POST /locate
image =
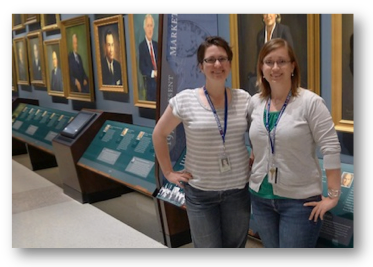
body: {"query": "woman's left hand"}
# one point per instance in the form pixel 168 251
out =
pixel 321 207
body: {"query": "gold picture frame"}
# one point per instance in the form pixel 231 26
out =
pixel 54 67
pixel 50 21
pixel 14 74
pixel 31 18
pixel 76 56
pixel 141 80
pixel 21 60
pixel 36 58
pixel 18 21
pixel 311 28
pixel 111 77
pixel 340 46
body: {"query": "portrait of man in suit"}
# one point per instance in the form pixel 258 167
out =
pixel 110 67
pixel 21 63
pixel 272 28
pixel 148 50
pixel 36 63
pixel 78 77
pixel 56 75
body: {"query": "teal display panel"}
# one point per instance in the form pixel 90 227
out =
pixel 337 229
pixel 37 125
pixel 125 153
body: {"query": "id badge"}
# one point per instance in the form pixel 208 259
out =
pixel 272 173
pixel 224 163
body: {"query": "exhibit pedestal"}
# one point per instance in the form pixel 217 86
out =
pixel 79 183
pixel 40 159
pixel 18 147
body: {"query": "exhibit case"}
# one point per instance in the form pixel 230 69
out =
pixel 37 126
pixel 19 147
pixel 124 153
pixel 85 184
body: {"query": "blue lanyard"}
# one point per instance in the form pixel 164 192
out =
pixel 278 119
pixel 222 133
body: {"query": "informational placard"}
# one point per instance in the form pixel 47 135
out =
pixel 338 225
pixel 125 153
pixel 39 125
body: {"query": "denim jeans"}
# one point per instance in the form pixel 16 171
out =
pixel 218 219
pixel 283 223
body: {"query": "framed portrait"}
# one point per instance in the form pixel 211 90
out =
pixel 342 72
pixel 50 21
pixel 76 56
pixel 20 57
pixel 111 54
pixel 143 29
pixel 248 34
pixel 14 75
pixel 36 58
pixel 18 21
pixel 53 62
pixel 31 18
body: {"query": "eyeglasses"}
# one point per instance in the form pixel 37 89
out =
pixel 280 63
pixel 212 60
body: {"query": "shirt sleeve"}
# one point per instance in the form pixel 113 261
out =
pixel 323 131
pixel 173 102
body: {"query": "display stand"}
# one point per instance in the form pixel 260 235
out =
pixel 37 126
pixel 84 184
pixel 19 147
pixel 122 153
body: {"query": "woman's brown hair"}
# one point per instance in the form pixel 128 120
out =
pixel 261 82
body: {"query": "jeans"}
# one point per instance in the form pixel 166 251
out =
pixel 283 223
pixel 218 219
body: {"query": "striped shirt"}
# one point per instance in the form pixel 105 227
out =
pixel 204 142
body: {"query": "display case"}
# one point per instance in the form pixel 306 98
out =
pixel 37 126
pixel 19 147
pixel 86 185
pixel 124 153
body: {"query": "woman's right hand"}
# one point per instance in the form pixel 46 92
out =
pixel 179 178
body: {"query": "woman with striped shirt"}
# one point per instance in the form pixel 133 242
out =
pixel 217 162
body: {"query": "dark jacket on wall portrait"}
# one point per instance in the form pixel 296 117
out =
pixel 56 80
pixel 146 68
pixel 109 78
pixel 22 71
pixel 77 72
pixel 36 70
pixel 280 31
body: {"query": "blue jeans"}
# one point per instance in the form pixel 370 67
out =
pixel 283 223
pixel 218 219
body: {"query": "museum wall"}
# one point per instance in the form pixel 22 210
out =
pixel 120 102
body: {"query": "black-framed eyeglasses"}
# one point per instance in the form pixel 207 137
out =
pixel 280 63
pixel 212 60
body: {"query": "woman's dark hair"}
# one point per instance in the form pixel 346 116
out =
pixel 213 40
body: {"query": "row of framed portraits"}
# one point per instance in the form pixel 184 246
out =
pixel 64 65
pixel 48 21
pixel 244 29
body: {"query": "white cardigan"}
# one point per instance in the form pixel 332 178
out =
pixel 305 124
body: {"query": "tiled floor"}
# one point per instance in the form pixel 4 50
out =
pixel 55 218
